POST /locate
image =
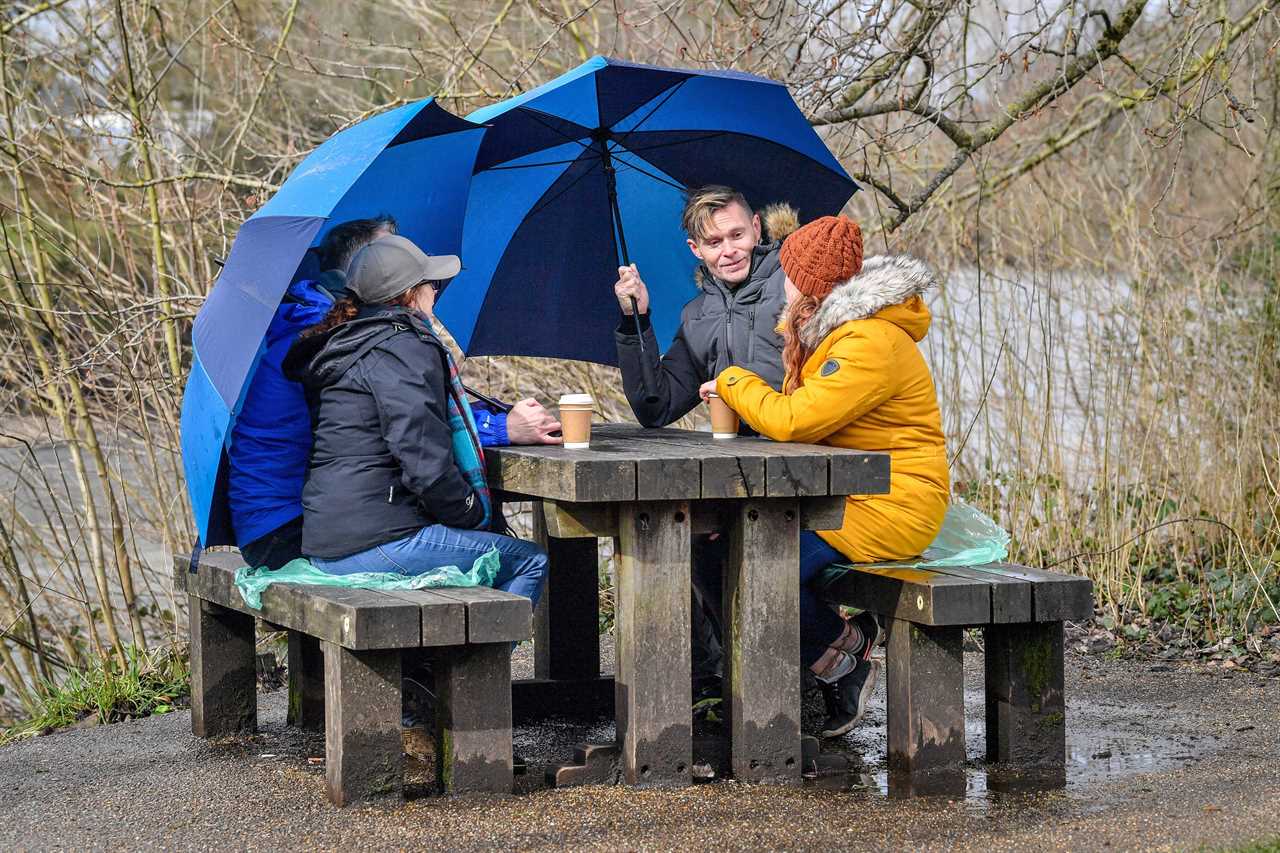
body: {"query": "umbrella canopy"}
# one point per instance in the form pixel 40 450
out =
pixel 413 162
pixel 543 237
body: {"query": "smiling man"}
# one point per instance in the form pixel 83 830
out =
pixel 731 322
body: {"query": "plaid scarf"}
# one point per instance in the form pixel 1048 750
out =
pixel 466 440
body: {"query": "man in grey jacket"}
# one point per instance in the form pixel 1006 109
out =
pixel 730 322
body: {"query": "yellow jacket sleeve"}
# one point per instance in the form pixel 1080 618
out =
pixel 853 378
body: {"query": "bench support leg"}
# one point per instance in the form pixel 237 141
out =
pixel 224 698
pixel 306 682
pixel 762 642
pixel 925 700
pixel 1026 711
pixel 362 743
pixel 473 719
pixel 653 695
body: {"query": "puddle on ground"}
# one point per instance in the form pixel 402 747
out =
pixel 1105 741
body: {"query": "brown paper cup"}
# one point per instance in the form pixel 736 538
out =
pixel 575 421
pixel 724 420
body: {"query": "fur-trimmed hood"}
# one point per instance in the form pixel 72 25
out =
pixel 885 281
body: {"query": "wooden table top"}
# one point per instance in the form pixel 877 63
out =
pixel 627 463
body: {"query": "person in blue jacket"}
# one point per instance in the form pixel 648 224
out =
pixel 272 437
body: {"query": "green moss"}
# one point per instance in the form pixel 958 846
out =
pixel 444 758
pixel 1037 666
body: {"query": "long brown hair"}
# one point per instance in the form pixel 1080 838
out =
pixel 349 306
pixel 794 351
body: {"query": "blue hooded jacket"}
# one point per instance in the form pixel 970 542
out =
pixel 271 440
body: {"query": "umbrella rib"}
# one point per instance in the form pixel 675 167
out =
pixel 537 116
pixel 710 134
pixel 547 202
pixel 657 178
pixel 533 165
pixel 658 106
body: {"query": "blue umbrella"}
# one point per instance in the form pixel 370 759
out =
pixel 414 162
pixel 588 172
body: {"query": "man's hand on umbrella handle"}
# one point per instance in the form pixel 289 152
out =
pixel 628 285
pixel 529 423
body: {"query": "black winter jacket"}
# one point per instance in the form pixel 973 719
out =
pixel 718 328
pixel 382 464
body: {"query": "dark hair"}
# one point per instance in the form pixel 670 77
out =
pixel 345 239
pixel 348 307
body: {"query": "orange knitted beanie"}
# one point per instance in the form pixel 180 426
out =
pixel 822 254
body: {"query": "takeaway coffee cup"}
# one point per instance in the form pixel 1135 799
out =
pixel 724 420
pixel 575 420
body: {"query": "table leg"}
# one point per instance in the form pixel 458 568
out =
pixel 652 629
pixel 566 635
pixel 762 641
pixel 566 623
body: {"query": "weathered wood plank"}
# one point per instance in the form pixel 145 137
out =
pixel 662 473
pixel 473 712
pixel 306 682
pixel 859 473
pixel 566 623
pixel 444 620
pixel 564 520
pixel 363 758
pixel 925 698
pixel 917 595
pixel 1026 708
pixel 493 616
pixel 762 641
pixel 652 631
pixel 224 698
pixel 823 512
pixel 1010 596
pixel 353 618
pixel 787 476
pixel 569 475
pixel 1055 597
pixel 728 469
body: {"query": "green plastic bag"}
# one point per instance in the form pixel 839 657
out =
pixel 969 537
pixel 252 581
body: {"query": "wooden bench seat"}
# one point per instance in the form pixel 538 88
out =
pixel 1021 611
pixel 345 648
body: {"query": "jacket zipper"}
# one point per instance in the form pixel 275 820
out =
pixel 751 341
pixel 391 492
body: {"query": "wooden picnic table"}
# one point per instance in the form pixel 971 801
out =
pixel 651 490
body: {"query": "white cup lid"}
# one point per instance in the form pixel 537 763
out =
pixel 575 400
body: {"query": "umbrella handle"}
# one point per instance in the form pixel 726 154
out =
pixel 647 377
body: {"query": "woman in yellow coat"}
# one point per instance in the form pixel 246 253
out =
pixel 855 377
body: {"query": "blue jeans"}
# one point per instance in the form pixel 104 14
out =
pixel 523 564
pixel 820 625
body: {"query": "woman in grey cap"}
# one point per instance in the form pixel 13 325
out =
pixel 396 479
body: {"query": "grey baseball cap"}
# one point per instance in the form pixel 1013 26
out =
pixel 387 267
